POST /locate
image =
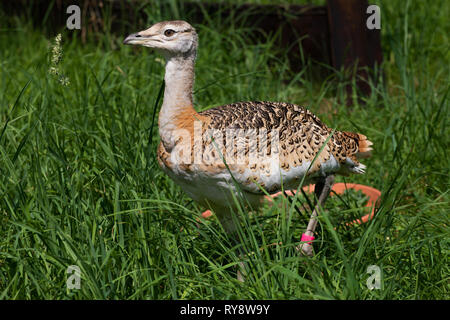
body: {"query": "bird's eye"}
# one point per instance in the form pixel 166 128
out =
pixel 169 32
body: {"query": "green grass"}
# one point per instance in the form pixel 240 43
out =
pixel 80 184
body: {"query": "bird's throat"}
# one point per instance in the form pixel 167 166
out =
pixel 178 96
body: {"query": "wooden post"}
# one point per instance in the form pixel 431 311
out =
pixel 352 44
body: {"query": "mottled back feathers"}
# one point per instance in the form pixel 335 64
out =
pixel 293 136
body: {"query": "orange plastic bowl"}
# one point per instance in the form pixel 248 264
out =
pixel 338 188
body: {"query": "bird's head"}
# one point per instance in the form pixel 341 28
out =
pixel 170 38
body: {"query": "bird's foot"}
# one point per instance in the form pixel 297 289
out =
pixel 306 249
pixel 241 272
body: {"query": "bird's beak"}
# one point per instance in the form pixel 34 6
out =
pixel 135 38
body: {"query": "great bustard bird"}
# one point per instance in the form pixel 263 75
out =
pixel 243 147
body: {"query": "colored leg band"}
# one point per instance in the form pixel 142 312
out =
pixel 306 238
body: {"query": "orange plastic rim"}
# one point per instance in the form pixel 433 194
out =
pixel 338 188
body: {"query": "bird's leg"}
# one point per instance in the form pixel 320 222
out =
pixel 229 223
pixel 321 190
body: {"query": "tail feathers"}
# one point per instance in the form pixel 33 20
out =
pixel 357 146
pixel 364 147
pixel 359 169
pixel 351 164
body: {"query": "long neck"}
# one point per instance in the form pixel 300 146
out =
pixel 178 100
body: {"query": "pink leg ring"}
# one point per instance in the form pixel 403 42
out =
pixel 305 238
